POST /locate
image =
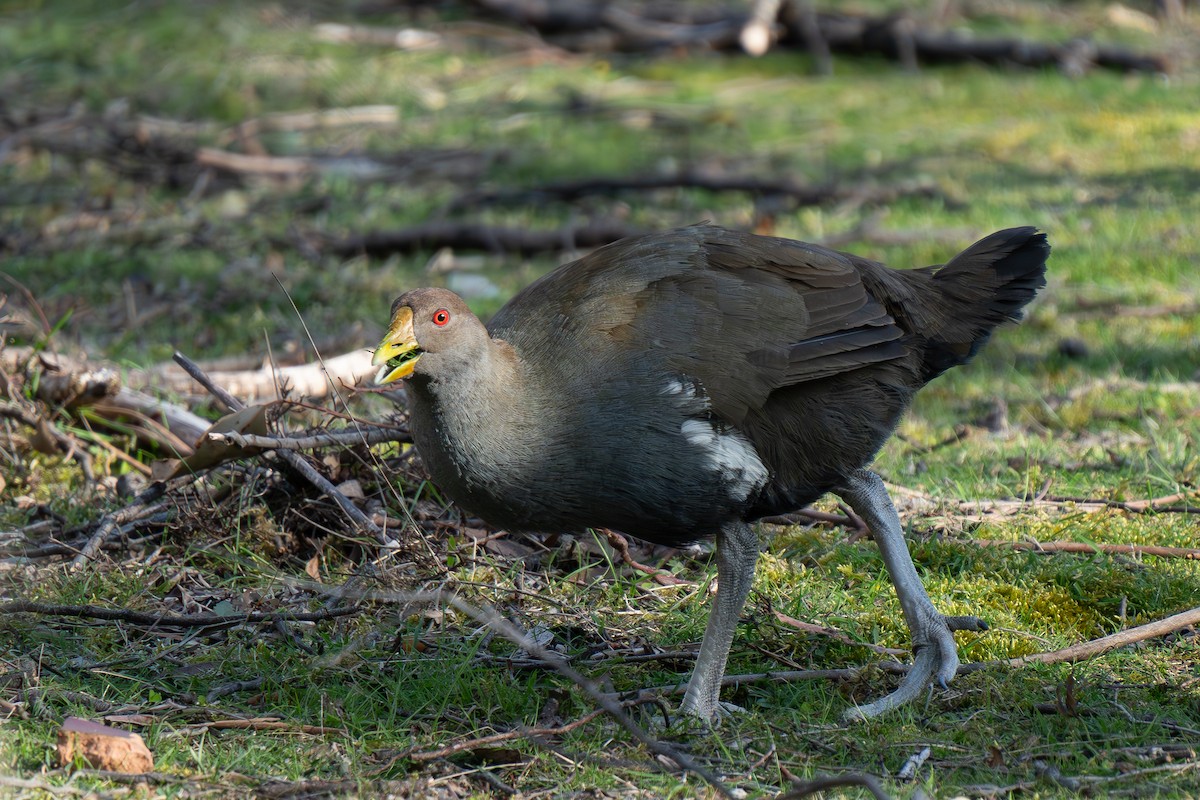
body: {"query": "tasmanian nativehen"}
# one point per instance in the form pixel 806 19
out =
pixel 685 384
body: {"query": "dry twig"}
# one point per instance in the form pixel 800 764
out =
pixel 165 620
pixel 1093 547
pixel 292 459
pixel 143 506
pixel 415 754
pixel 475 236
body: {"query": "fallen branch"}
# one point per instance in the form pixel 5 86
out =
pixel 1093 547
pixel 1077 652
pixel 800 194
pixel 1095 647
pixel 72 384
pixel 474 236
pixel 595 26
pixel 400 38
pixel 144 505
pixel 414 754
pixel 291 458
pixel 913 500
pixel 65 549
pixel 368 435
pixel 48 438
pixel 324 119
pixel 758 31
pixel 165 620
pixel 263 724
pixel 169 152
pixel 802 789
pixel 621 545
pixel 835 634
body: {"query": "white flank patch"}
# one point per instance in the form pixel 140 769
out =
pixel 677 387
pixel 729 454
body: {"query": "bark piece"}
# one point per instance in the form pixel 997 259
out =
pixel 102 747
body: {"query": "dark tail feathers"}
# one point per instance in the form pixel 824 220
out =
pixel 988 283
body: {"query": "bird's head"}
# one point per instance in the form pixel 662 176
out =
pixel 424 321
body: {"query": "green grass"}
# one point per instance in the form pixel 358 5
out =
pixel 1108 165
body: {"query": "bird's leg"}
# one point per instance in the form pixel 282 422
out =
pixel 737 552
pixel 935 653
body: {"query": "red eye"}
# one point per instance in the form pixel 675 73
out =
pixel 441 317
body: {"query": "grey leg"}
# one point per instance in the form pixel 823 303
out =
pixel 935 653
pixel 737 552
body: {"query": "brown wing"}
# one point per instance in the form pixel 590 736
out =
pixel 743 314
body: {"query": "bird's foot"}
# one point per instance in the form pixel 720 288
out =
pixel 717 714
pixel 935 661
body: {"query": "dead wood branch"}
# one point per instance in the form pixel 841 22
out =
pixel 595 26
pixel 292 459
pixel 47 437
pixel 399 38
pixel 1091 547
pixel 1077 652
pixel 758 32
pixel 802 789
pixel 367 435
pixel 978 510
pixel 144 505
pixel 1095 647
pixel 168 152
pixel 835 634
pixel 263 724
pixel 487 741
pixel 272 166
pixel 165 620
pixel 70 382
pixel 312 380
pixel 802 18
pixel 475 236
pixel 621 545
pixel 799 194
pixel 325 119
pixel 64 382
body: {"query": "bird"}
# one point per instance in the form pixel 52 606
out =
pixel 681 385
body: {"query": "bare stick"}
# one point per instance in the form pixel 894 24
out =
pixel 777 676
pixel 269 724
pixel 144 505
pixel 170 620
pixel 799 193
pixel 621 545
pixel 835 634
pixel 1076 652
pixel 292 459
pixel 474 236
pixel 1091 547
pixel 374 434
pixel 805 788
pixel 1095 647
pixel 758 32
pixel 496 738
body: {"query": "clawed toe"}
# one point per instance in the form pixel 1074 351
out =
pixel 721 711
pixel 935 662
pixel 965 623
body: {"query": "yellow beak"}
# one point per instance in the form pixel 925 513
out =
pixel 399 352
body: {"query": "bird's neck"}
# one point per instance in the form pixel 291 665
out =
pixel 478 416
